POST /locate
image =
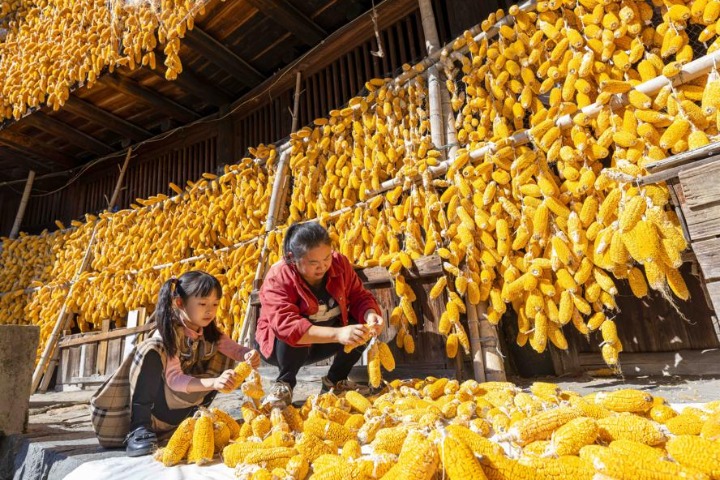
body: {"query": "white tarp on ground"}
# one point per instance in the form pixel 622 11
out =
pixel 145 468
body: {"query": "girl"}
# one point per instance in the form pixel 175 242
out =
pixel 312 304
pixel 169 375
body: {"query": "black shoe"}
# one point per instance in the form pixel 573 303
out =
pixel 141 441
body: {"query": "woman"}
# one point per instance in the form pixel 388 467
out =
pixel 312 305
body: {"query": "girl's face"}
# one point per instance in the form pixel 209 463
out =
pixel 315 263
pixel 199 311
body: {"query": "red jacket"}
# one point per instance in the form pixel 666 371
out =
pixel 286 301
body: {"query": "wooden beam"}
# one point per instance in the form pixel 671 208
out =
pixel 684 158
pixel 102 336
pixel 423 267
pixel 72 135
pixel 95 114
pixel 670 173
pixel 334 46
pixel 192 84
pixel 223 57
pixel 30 146
pixel 290 18
pixel 150 97
pixel 682 362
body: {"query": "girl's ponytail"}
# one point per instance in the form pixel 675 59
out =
pixel 164 316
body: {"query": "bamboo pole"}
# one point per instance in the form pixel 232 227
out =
pixel 61 318
pixel 432 44
pixel 448 121
pixel 277 199
pixel 23 204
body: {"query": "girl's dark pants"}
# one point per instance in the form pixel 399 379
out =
pixel 149 397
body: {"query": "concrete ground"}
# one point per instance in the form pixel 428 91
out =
pixel 60 438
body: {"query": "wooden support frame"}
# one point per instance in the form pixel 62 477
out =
pixel 90 358
pixel 222 56
pixel 290 18
pixel 95 114
pixel 74 136
pixel 132 88
pixel 51 343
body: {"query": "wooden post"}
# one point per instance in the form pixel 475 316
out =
pixel 277 199
pixel 61 318
pixel 48 378
pixel 23 204
pixel 493 360
pixel 476 349
pixel 102 349
pixel 296 102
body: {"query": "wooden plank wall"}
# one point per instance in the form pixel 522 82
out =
pixel 148 174
pixel 699 194
pixel 652 324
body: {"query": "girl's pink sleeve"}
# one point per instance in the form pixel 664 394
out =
pixel 174 376
pixel 232 349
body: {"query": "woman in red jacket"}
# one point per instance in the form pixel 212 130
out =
pixel 312 305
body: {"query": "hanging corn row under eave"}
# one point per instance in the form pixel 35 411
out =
pixel 544 226
pixel 206 226
pixel 440 428
pixel 54 46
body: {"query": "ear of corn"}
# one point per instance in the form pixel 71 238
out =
pixel 179 443
pixel 202 449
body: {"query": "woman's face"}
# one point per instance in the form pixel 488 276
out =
pixel 315 263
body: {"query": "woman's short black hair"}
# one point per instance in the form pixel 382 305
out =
pixel 301 237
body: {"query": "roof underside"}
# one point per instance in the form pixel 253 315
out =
pixel 234 47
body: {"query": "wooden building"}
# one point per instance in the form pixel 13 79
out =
pixel 236 91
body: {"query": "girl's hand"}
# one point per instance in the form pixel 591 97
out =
pixel 253 358
pixel 226 381
pixel 375 322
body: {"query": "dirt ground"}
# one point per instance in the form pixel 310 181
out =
pixel 60 438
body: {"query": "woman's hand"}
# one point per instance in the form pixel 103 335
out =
pixel 226 381
pixel 253 358
pixel 375 322
pixel 351 334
